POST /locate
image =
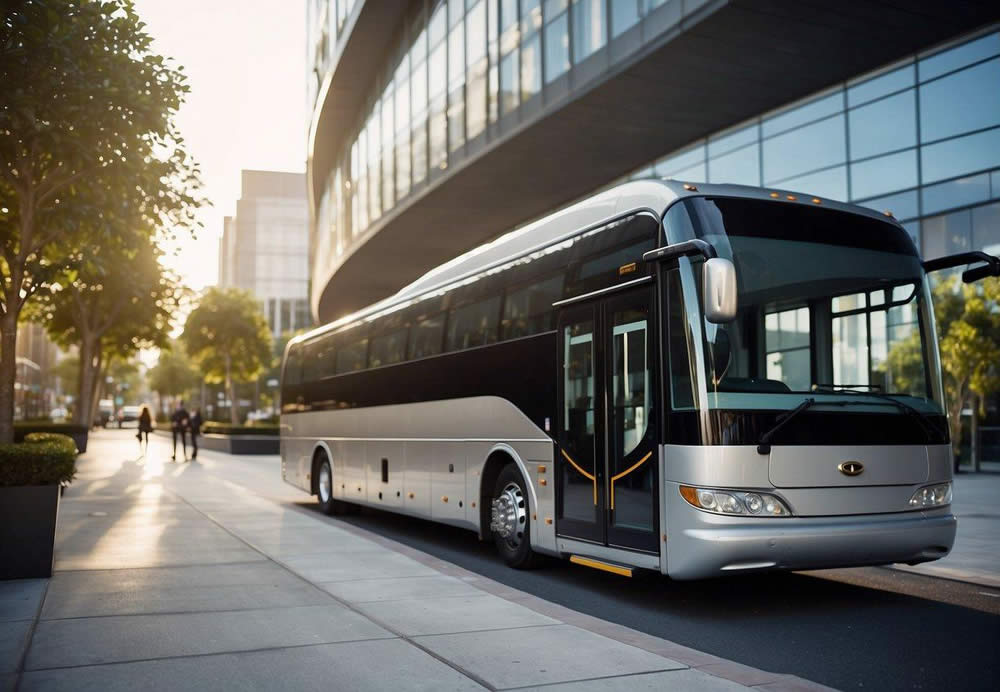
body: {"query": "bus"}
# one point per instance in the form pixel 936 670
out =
pixel 701 380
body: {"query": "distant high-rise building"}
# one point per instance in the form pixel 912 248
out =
pixel 265 247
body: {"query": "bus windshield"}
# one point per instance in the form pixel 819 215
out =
pixel 829 301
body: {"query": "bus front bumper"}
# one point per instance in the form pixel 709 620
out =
pixel 708 545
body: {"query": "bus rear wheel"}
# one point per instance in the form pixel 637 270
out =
pixel 324 490
pixel 510 520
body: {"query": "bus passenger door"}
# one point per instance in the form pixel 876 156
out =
pixel 607 467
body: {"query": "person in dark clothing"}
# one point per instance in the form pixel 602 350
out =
pixel 145 427
pixel 179 422
pixel 195 425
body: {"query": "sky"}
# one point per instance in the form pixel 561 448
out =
pixel 245 62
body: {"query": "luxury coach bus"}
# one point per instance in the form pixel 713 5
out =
pixel 701 380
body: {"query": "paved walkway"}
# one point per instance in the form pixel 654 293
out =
pixel 976 555
pixel 207 576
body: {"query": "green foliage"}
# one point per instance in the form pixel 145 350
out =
pixel 28 429
pixel 42 459
pixel 173 374
pixel 90 159
pixel 256 429
pixel 227 336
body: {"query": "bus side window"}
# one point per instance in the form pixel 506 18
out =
pixel 473 325
pixel 388 349
pixel 351 355
pixel 293 365
pixel 681 392
pixel 426 335
pixel 528 310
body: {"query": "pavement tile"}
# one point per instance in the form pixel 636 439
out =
pixel 158 558
pixel 243 586
pixel 13 638
pixel 350 566
pixel 351 666
pixel 687 680
pixel 461 614
pixel 20 598
pixel 369 590
pixel 89 641
pixel 542 655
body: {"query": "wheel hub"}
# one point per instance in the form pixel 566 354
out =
pixel 508 514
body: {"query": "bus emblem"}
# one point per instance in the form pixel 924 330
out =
pixel 851 468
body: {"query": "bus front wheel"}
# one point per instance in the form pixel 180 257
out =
pixel 510 520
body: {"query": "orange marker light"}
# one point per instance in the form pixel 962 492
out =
pixel 817 200
pixel 791 198
pixel 774 195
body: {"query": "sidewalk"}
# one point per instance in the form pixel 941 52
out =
pixel 175 576
pixel 976 555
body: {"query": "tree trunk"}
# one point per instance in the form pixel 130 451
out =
pixel 234 408
pixel 102 370
pixel 8 372
pixel 89 369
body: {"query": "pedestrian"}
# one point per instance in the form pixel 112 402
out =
pixel 179 422
pixel 145 427
pixel 195 425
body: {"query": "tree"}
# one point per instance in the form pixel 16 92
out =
pixel 117 300
pixel 173 375
pixel 88 147
pixel 227 336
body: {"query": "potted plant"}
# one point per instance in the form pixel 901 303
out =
pixel 31 473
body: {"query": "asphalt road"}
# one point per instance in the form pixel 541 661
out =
pixel 871 628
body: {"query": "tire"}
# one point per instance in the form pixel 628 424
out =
pixel 324 493
pixel 510 497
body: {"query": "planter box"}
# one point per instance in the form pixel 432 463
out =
pixel 79 436
pixel 234 444
pixel 28 516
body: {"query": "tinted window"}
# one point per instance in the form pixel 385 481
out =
pixel 473 325
pixel 528 310
pixel 351 355
pixel 318 359
pixel 426 336
pixel 388 348
pixel 293 365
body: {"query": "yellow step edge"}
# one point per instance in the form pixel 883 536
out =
pixel 597 564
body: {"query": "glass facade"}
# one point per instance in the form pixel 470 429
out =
pixel 457 67
pixel 920 138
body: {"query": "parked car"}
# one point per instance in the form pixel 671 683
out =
pixel 128 414
pixel 59 414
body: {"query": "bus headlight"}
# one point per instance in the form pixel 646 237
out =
pixel 738 502
pixel 932 496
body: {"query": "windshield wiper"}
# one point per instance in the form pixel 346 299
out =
pixel 930 431
pixel 764 445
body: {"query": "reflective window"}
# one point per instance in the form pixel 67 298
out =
pixel 786 343
pixel 426 336
pixel 473 325
pixel 986 228
pixel 388 348
pixel 884 174
pixel 955 157
pixel 961 102
pixel 675 162
pixel 733 140
pixel 814 146
pixel 588 28
pixel 903 205
pixel 351 356
pixel 624 15
pixel 946 234
pixel 528 310
pixel 956 193
pixel 883 126
pixel 556 47
pixel 800 115
pixel 531 16
pixel 531 66
pixel 741 166
pixel 954 58
pixel 438 26
pixel 510 89
pixel 880 86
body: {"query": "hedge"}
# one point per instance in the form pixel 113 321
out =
pixel 21 430
pixel 42 459
pixel 214 428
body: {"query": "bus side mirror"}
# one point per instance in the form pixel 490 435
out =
pixel 990 268
pixel 719 290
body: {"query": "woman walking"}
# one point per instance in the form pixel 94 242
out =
pixel 145 427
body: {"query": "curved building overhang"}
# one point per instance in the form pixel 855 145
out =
pixel 727 62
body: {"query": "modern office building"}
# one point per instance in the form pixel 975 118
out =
pixel 265 247
pixel 439 124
